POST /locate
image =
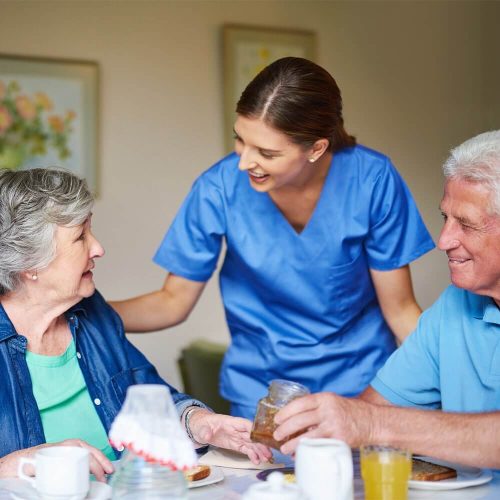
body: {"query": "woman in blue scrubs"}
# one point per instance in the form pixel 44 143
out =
pixel 319 234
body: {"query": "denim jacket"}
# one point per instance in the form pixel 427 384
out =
pixel 109 364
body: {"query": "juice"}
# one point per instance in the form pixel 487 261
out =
pixel 385 474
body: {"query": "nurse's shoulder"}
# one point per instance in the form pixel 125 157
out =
pixel 223 175
pixel 365 162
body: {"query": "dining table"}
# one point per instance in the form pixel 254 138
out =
pixel 236 481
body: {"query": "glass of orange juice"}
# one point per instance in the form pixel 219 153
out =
pixel 385 472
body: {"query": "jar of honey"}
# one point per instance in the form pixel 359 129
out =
pixel 280 393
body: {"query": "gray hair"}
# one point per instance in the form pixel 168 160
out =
pixel 32 204
pixel 478 160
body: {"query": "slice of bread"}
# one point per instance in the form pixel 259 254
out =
pixel 427 471
pixel 197 473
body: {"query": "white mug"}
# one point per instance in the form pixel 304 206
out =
pixel 61 472
pixel 323 469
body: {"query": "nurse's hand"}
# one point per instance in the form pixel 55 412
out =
pixel 228 432
pixel 324 415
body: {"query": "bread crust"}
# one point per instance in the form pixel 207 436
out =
pixel 427 471
pixel 197 473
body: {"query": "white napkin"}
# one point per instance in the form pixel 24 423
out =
pixel 227 458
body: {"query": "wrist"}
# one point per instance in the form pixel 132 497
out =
pixel 378 432
pixel 190 419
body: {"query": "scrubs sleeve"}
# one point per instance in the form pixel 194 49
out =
pixel 193 242
pixel 411 376
pixel 397 232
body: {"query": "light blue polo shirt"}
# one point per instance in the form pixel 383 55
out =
pixel 451 361
pixel 299 306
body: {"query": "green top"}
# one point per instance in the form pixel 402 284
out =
pixel 64 402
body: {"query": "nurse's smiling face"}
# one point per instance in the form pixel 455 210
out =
pixel 271 159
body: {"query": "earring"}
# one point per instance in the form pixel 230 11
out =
pixel 34 276
pixel 312 160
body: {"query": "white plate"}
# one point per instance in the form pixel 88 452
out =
pixel 216 475
pixel 466 477
pixel 22 490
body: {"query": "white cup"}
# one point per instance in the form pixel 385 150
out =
pixel 323 469
pixel 61 472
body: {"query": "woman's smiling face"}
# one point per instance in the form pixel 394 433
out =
pixel 69 278
pixel 271 159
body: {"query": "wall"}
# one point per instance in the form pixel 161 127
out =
pixel 490 19
pixel 412 85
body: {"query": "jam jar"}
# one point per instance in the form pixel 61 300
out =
pixel 280 393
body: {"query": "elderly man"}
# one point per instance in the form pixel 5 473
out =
pixel 451 363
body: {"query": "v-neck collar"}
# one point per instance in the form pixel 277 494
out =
pixel 283 221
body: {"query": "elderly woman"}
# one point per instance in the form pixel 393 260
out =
pixel 64 358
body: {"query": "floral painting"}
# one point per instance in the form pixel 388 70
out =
pixel 28 127
pixel 48 115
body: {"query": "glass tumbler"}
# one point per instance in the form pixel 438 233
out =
pixel 385 472
pixel 136 478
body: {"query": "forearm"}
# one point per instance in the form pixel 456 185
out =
pixel 396 299
pixel 149 312
pixel 470 439
pixel 404 320
pixel 160 309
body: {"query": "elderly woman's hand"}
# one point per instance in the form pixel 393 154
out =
pixel 228 432
pixel 99 464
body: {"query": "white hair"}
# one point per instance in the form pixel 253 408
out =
pixel 32 203
pixel 478 160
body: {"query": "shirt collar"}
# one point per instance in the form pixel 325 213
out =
pixel 485 309
pixel 77 308
pixel 72 315
pixel 7 329
pixel 492 312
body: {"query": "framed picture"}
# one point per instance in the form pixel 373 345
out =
pixel 49 115
pixel 247 50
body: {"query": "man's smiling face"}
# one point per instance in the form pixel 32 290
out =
pixel 471 237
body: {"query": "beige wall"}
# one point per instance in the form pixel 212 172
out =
pixel 490 20
pixel 412 77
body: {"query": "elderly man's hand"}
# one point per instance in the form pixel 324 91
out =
pixel 325 415
pixel 228 432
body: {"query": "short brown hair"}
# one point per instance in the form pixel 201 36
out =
pixel 300 99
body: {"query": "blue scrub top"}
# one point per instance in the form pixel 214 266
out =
pixel 299 306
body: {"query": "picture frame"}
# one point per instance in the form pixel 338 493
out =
pixel 246 51
pixel 49 115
